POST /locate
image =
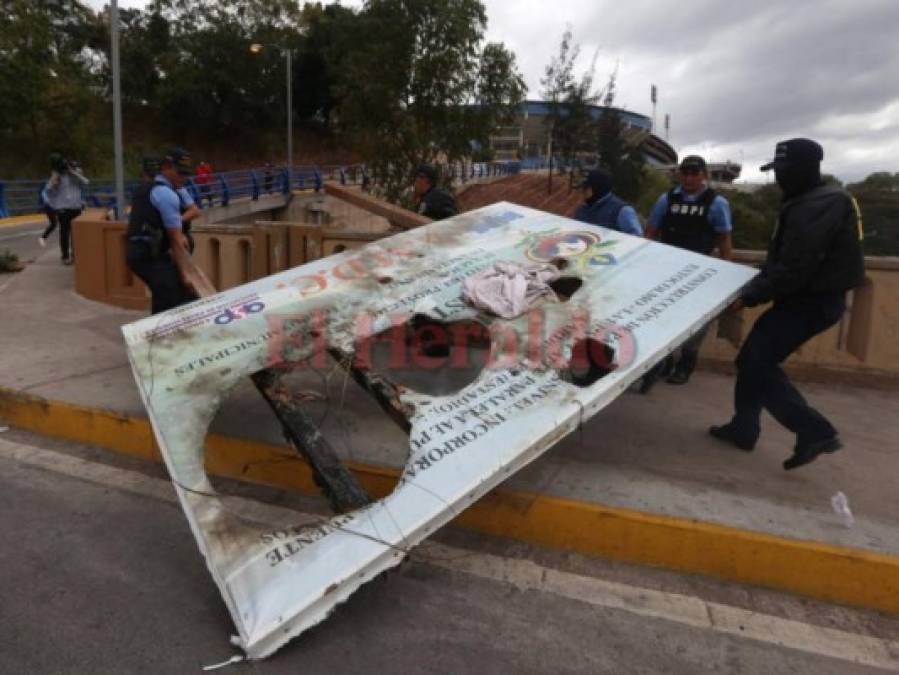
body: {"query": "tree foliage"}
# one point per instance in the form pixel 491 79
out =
pixel 878 199
pixel 398 80
pixel 425 89
pixel 575 130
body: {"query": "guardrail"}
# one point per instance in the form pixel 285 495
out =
pixel 19 197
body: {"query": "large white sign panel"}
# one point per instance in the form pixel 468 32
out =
pixel 640 298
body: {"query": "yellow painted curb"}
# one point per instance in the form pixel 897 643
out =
pixel 831 573
pixel 12 221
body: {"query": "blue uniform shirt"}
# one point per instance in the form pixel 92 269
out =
pixel 719 211
pixel 628 221
pixel 165 199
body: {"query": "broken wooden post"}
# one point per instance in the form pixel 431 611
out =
pixel 336 481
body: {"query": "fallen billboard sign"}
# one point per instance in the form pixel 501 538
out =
pixel 623 304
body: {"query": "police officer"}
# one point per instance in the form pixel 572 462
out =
pixel 814 257
pixel 430 200
pixel 602 207
pixel 161 212
pixel 694 217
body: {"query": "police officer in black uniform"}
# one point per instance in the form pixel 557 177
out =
pixel 432 202
pixel 161 211
pixel 814 258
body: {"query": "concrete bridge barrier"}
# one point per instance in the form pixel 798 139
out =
pixel 862 349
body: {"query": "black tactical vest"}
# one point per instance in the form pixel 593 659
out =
pixel 686 224
pixel 145 221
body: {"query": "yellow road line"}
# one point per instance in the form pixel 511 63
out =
pixel 831 573
pixel 12 221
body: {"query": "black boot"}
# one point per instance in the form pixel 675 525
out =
pixel 804 453
pixel 683 370
pixel 730 434
pixel 655 373
pixel 680 375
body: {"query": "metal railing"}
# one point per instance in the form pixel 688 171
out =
pixel 18 197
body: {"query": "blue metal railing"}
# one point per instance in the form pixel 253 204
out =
pixel 19 197
pixel 533 164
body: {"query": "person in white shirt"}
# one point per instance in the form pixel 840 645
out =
pixel 63 194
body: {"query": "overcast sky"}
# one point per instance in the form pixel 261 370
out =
pixel 735 77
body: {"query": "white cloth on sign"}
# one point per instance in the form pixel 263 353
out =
pixel 509 289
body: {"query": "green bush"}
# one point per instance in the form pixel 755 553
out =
pixel 9 262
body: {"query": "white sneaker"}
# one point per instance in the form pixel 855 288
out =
pixel 42 242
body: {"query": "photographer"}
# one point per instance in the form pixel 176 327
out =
pixel 63 197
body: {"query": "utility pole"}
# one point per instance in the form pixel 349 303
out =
pixel 117 111
pixel 288 54
pixel 258 48
pixel 654 97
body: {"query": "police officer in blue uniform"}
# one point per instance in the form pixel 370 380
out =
pixel 604 208
pixel 814 258
pixel 694 217
pixel 161 212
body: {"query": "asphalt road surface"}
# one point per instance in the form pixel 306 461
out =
pixel 99 574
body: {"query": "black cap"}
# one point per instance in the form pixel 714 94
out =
pixel 429 171
pixel 150 164
pixel 180 159
pixel 693 163
pixel 795 151
pixel 599 180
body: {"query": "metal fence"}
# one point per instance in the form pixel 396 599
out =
pixel 18 197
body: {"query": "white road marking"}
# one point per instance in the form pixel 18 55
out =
pixel 524 574
pixel 20 235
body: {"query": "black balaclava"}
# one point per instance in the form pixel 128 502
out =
pixel 601 184
pixel 796 178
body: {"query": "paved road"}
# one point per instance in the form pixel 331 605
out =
pixel 100 575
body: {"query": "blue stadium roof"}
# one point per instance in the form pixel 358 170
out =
pixel 539 108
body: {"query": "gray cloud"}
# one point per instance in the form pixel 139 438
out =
pixel 735 77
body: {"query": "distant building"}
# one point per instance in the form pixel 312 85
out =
pixel 528 136
pixel 724 172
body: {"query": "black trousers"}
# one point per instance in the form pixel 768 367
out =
pixel 54 222
pixel 762 383
pixel 66 216
pixel 689 351
pixel 161 277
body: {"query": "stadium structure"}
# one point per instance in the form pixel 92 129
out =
pixel 528 138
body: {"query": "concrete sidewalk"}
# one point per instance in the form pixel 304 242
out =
pixel 646 453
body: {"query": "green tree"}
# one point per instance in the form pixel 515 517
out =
pixel 882 181
pixel 654 183
pixel 618 153
pixel 878 198
pixel 500 90
pixel 46 95
pixel 561 94
pixel 409 84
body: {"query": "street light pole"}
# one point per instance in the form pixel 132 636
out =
pixel 117 111
pixel 257 48
pixel 288 53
